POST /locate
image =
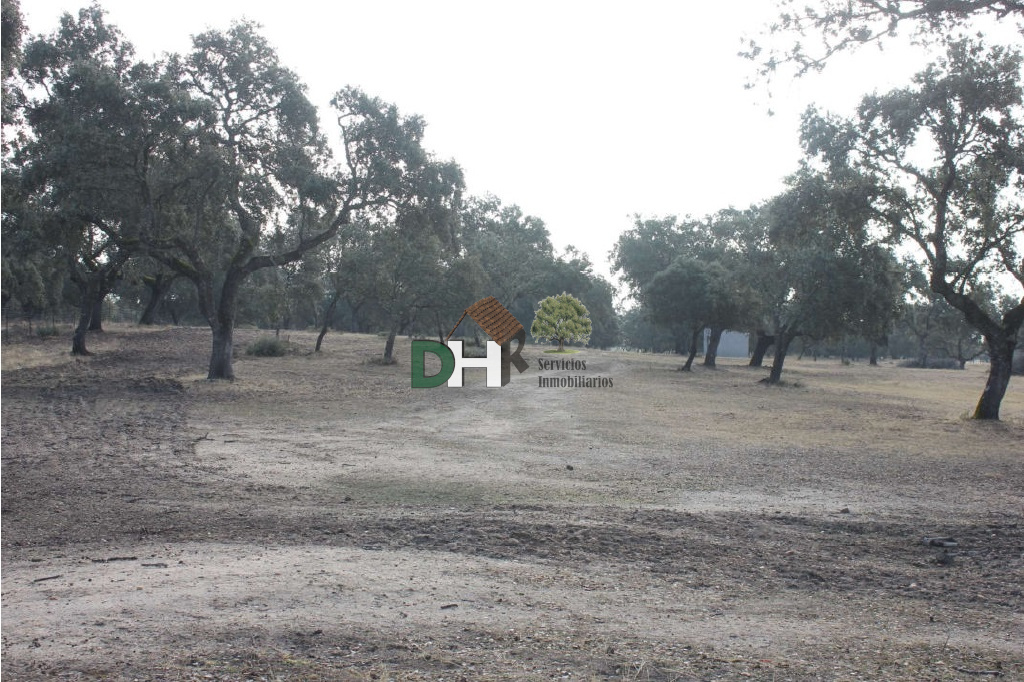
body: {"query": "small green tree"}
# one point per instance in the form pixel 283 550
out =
pixel 562 318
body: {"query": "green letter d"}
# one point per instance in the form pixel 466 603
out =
pixel 419 352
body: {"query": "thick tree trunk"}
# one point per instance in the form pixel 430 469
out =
pixel 328 318
pixel 158 286
pixel 712 352
pixel 89 290
pixel 1000 352
pixel 873 360
pixel 222 354
pixel 764 342
pixel 148 315
pixel 783 339
pixel 561 345
pixel 78 338
pixel 693 350
pixel 96 322
pixel 223 327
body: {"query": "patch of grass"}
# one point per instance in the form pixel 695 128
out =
pixel 267 347
pixel 567 351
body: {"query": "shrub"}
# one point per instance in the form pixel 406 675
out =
pixel 267 347
pixel 47 332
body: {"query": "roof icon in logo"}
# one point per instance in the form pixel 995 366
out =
pixel 496 321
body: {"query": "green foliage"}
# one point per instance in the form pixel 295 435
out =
pixel 945 155
pixel 562 318
pixel 813 32
pixel 12 29
pixel 267 347
pixel 47 332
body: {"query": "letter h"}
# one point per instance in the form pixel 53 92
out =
pixel 492 363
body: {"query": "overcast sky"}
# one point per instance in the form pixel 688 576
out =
pixel 582 113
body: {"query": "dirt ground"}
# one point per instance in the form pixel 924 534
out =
pixel 318 519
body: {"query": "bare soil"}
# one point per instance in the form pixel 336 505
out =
pixel 318 519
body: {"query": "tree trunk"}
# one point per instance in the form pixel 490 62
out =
pixel 89 290
pixel 84 317
pixel 873 360
pixel 693 350
pixel 148 315
pixel 781 348
pixel 561 345
pixel 712 351
pixel 158 286
pixel 221 356
pixel 96 321
pixel 764 342
pixel 328 317
pixel 389 347
pixel 223 327
pixel 1000 353
pixel 171 311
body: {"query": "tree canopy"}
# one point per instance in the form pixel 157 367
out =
pixel 562 318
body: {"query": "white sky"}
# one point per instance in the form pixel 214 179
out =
pixel 582 113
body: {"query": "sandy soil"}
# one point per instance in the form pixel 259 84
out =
pixel 317 519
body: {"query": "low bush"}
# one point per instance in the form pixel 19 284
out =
pixel 267 347
pixel 47 332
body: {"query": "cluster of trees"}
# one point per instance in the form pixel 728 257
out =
pixel 204 184
pixel 936 167
pixel 800 265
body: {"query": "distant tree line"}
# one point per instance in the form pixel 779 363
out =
pixel 201 187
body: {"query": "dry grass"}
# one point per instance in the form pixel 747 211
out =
pixel 319 519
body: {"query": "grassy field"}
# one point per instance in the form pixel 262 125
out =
pixel 318 519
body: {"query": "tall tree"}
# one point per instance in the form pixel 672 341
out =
pixel 823 258
pixel 262 194
pixel 949 153
pixel 686 294
pixel 98 119
pixel 647 249
pixel 407 255
pixel 513 251
pixel 656 245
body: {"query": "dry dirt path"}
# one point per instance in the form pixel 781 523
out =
pixel 318 519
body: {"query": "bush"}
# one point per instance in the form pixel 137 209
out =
pixel 267 347
pixel 47 332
